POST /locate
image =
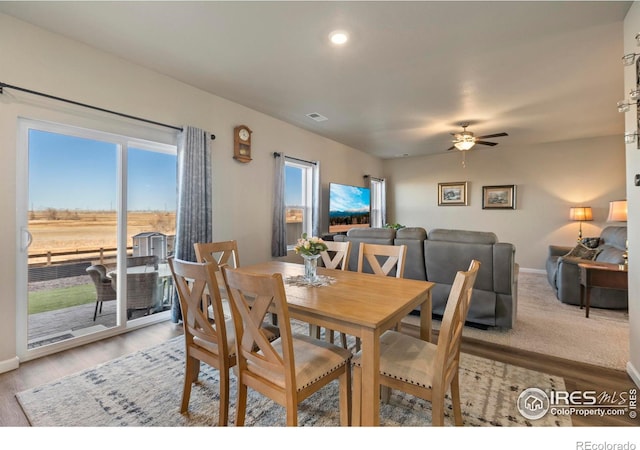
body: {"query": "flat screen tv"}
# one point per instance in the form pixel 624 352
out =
pixel 349 207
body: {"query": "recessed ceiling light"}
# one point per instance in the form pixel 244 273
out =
pixel 339 37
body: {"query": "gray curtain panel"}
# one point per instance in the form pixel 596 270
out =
pixel 278 236
pixel 194 220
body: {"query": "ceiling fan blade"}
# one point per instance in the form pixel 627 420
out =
pixel 486 143
pixel 492 135
pixel 451 148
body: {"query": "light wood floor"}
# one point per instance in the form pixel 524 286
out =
pixel 577 376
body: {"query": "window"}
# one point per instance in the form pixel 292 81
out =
pixel 378 202
pixel 85 198
pixel 299 181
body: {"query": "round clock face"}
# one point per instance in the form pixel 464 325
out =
pixel 243 134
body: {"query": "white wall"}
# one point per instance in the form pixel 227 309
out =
pixel 549 179
pixel 41 61
pixel 631 28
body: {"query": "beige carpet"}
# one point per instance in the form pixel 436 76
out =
pixel 545 325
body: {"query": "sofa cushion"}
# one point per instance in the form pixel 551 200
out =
pixel 443 259
pixel 414 239
pixel 373 235
pixel 463 236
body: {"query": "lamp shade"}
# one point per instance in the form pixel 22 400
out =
pixel 581 213
pixel 617 211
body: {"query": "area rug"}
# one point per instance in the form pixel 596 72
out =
pixel 144 389
pixel 546 325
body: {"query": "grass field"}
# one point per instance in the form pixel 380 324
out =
pixel 67 231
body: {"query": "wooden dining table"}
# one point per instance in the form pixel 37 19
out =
pixel 357 304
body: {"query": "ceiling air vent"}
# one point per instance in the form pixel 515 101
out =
pixel 317 117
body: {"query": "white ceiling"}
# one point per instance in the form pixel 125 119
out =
pixel 411 72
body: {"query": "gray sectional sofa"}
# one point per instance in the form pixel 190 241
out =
pixel 563 272
pixel 437 256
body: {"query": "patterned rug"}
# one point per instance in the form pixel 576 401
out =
pixel 144 389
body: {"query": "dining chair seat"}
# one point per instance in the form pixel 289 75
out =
pixel 212 347
pixel 313 361
pixel 405 358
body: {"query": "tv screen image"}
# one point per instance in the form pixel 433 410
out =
pixel 349 207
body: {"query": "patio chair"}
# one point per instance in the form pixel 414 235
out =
pixel 104 289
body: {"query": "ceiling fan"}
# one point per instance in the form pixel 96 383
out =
pixel 466 140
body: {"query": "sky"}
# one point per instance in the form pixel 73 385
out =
pixel 67 172
pixel 348 198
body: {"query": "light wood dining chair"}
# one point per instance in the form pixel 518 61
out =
pixel 222 252
pixel 206 340
pixel 421 368
pixel 292 367
pixel 382 260
pixel 219 253
pixel 335 257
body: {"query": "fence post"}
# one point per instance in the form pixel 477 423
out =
pixel 48 258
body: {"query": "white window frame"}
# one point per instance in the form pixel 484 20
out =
pixel 307 195
pixel 378 202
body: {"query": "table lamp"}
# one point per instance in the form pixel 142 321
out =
pixel 580 213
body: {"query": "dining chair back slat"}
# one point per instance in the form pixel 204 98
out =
pixel 382 259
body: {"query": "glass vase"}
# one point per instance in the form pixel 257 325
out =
pixel 310 267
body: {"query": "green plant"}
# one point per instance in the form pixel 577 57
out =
pixel 395 226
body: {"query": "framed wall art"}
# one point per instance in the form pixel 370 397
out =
pixel 452 194
pixel 499 197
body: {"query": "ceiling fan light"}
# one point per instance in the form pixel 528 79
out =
pixel 464 145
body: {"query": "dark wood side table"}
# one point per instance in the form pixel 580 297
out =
pixel 602 275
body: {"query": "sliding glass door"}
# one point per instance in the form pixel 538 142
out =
pixel 96 225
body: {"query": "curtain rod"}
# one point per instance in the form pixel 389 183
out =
pixel 373 178
pixel 276 154
pixel 53 97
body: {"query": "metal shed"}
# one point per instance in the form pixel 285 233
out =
pixel 150 243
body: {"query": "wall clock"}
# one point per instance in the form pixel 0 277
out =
pixel 242 143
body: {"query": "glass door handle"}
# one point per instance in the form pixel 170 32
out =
pixel 27 239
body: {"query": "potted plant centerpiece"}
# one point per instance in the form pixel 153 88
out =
pixel 310 249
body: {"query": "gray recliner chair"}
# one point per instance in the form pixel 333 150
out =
pixel 563 272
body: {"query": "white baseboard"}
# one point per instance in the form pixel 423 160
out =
pixel 633 373
pixel 9 364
